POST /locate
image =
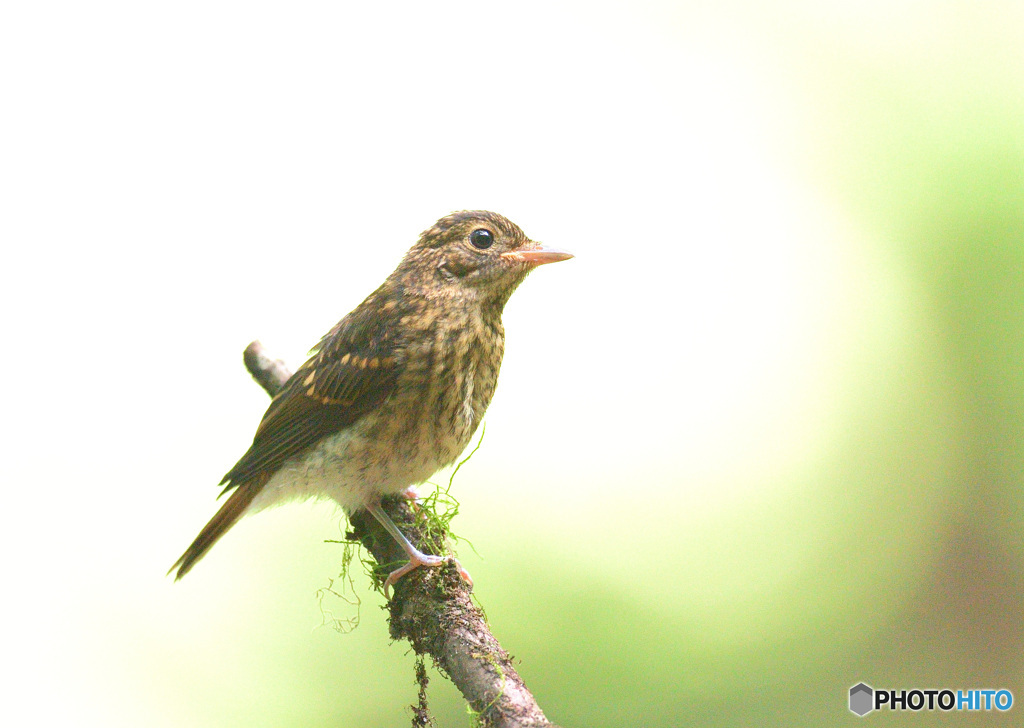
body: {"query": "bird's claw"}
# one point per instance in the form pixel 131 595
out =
pixel 419 560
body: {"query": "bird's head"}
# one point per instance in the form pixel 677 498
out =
pixel 474 253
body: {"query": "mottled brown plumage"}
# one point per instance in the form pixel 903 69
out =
pixel 396 389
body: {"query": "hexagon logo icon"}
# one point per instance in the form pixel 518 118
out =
pixel 861 699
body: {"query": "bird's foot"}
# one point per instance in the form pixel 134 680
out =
pixel 419 559
pixel 416 557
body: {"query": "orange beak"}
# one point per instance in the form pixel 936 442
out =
pixel 538 255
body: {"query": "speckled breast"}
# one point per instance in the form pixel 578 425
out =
pixel 439 401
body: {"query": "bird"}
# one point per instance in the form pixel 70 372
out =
pixel 395 390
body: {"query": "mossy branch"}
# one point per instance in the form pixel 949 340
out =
pixel 432 608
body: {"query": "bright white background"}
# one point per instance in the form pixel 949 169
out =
pixel 178 179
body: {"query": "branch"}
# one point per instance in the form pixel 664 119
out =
pixel 432 608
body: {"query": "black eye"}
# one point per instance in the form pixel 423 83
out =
pixel 481 238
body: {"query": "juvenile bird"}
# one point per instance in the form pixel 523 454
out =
pixel 395 390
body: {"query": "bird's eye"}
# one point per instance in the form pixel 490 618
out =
pixel 481 238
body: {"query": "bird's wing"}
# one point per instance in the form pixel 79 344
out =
pixel 353 370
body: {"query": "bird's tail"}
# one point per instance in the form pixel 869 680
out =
pixel 225 518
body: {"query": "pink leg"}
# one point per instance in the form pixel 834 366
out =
pixel 416 557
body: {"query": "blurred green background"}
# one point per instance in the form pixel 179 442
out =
pixel 759 442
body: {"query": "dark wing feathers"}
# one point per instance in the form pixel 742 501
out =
pixel 353 370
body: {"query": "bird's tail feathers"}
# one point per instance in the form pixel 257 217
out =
pixel 224 519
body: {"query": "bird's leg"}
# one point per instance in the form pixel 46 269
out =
pixel 416 557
